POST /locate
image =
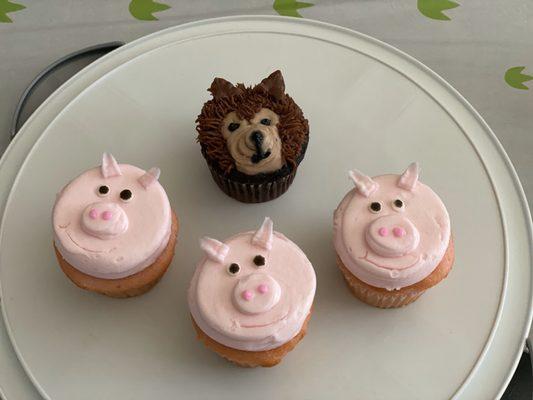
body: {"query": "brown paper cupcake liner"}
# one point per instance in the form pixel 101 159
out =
pixel 253 192
pixel 255 188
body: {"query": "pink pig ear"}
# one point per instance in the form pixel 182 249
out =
pixel 149 177
pixel 364 185
pixel 409 178
pixel 215 250
pixel 264 235
pixel 110 166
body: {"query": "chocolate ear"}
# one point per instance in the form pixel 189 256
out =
pixel 222 88
pixel 274 84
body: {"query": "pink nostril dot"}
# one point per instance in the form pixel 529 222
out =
pixel 262 288
pixel 107 215
pixel 383 231
pixel 247 295
pixel 399 232
pixel 93 214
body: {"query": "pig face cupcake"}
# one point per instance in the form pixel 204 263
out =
pixel 392 237
pixel 114 230
pixel 253 138
pixel 251 296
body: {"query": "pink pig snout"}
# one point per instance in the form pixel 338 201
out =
pixel 392 236
pixel 104 220
pixel 256 293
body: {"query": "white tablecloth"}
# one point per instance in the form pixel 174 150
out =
pixel 472 45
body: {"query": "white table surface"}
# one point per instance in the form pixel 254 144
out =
pixel 472 50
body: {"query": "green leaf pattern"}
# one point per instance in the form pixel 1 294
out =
pixel 515 78
pixel 144 9
pixel 434 8
pixel 7 6
pixel 289 8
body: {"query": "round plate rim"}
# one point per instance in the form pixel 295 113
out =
pixel 495 142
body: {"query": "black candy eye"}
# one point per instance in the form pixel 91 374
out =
pixel 126 195
pixel 375 207
pixel 398 203
pixel 234 269
pixel 259 260
pixel 103 190
pixel 233 126
pixel 266 121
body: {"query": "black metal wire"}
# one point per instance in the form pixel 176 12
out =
pixel 99 48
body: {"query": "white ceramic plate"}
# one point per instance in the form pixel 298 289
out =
pixel 369 107
pixel 14 383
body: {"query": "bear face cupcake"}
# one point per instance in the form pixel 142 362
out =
pixel 250 297
pixel 392 237
pixel 114 230
pixel 253 138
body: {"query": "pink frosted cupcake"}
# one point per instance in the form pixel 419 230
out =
pixel 392 237
pixel 251 296
pixel 114 229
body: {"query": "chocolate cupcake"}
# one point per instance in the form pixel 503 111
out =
pixel 253 138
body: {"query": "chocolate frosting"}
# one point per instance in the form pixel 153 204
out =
pixel 293 127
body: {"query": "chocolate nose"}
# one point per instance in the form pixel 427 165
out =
pixel 257 137
pixel 392 236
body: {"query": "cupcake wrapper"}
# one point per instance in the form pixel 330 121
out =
pixel 250 359
pixel 253 192
pixel 378 297
pixel 383 300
